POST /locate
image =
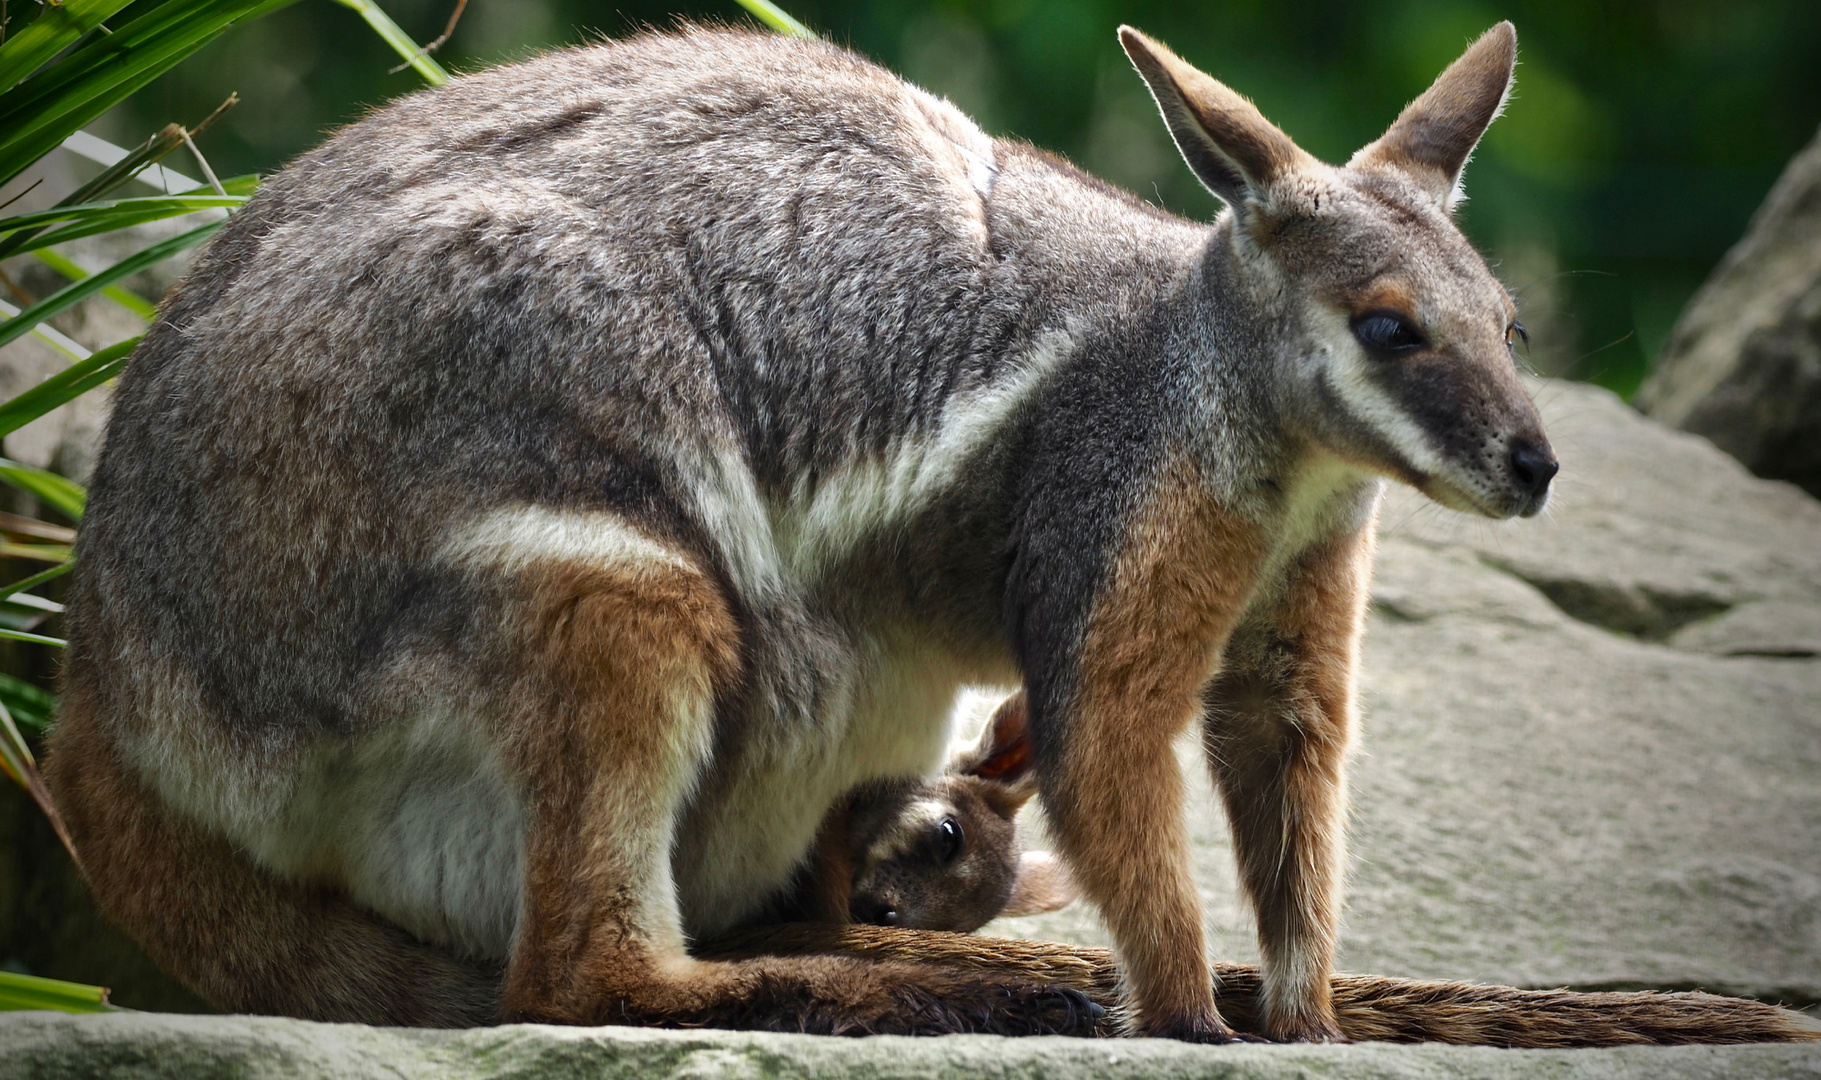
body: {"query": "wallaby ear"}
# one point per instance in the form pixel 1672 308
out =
pixel 1003 751
pixel 1434 136
pixel 1228 143
pixel 1002 756
pixel 1043 884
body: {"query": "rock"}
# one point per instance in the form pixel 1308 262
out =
pixel 43 1046
pixel 1743 365
pixel 1590 741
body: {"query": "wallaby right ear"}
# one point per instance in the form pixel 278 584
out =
pixel 1228 143
pixel 1434 136
pixel 1004 750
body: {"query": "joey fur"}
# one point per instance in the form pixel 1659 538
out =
pixel 938 853
pixel 545 499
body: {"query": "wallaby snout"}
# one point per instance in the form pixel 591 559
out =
pixel 1532 467
pixel 1449 415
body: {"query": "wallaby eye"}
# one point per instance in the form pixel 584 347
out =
pixel 949 839
pixel 1516 332
pixel 1384 332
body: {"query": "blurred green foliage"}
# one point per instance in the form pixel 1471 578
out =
pixel 1642 134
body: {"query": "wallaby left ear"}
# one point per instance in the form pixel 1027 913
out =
pixel 1043 884
pixel 1228 143
pixel 1434 136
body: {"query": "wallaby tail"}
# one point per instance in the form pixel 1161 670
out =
pixel 1405 1010
pixel 1368 1008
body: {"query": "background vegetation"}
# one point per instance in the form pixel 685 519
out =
pixel 1642 135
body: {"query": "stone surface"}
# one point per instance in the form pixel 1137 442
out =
pixel 41 1046
pixel 1743 365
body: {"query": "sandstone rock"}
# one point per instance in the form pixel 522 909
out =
pixel 1743 365
pixel 42 1046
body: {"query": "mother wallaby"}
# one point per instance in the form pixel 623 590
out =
pixel 544 499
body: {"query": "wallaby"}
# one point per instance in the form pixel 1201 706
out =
pixel 938 853
pixel 544 500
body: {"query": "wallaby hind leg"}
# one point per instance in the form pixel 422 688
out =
pixel 1277 732
pixel 232 931
pixel 622 669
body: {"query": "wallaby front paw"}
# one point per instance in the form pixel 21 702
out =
pixel 1306 1031
pixel 1209 1030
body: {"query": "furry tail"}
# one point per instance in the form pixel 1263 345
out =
pixel 1405 1010
pixel 1369 1008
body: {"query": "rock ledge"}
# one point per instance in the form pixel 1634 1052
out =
pixel 145 1046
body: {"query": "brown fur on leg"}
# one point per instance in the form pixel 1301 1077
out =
pixel 233 932
pixel 1367 1007
pixel 1114 792
pixel 1277 732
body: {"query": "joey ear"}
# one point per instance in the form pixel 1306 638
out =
pixel 1003 751
pixel 1431 140
pixel 1043 884
pixel 1003 757
pixel 1227 142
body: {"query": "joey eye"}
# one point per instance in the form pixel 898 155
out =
pixel 1516 332
pixel 949 839
pixel 1384 332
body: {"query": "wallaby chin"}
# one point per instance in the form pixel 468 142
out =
pixel 568 484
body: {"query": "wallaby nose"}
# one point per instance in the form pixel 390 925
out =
pixel 872 912
pixel 1533 467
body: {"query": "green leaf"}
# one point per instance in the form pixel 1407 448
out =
pixel 35 639
pixel 29 705
pixel 59 492
pixel 30 992
pixel 240 186
pixel 69 268
pixel 129 166
pixel 55 29
pixel 50 553
pixel 78 291
pixel 400 41
pixel 87 219
pixel 43 110
pixel 775 17
pixel 72 382
pixel 160 145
